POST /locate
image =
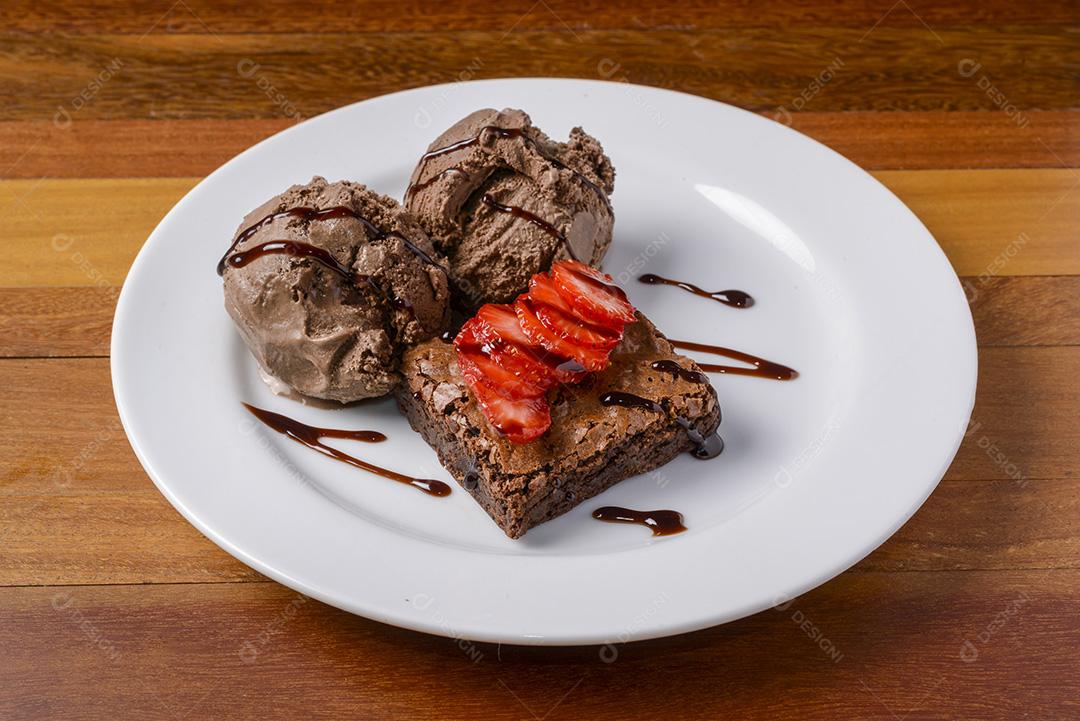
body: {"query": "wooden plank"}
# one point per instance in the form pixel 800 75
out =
pixel 874 140
pixel 52 322
pixel 77 507
pixel 75 78
pixel 378 16
pixel 136 148
pixel 1037 310
pixel 80 232
pixel 74 537
pixel 132 536
pixel 973 525
pixel 943 140
pixel 1025 409
pixel 997 222
pixel 59 412
pixel 63 322
pixel 86 232
pixel 945 645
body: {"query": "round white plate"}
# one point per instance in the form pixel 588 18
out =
pixel 851 290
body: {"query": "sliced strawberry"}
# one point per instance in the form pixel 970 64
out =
pixel 591 359
pixel 524 363
pixel 477 367
pixel 542 290
pixel 573 329
pixel 592 295
pixel 495 323
pixel 466 337
pixel 520 420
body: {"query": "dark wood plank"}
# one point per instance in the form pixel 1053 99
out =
pixel 277 16
pixel 874 140
pixel 928 646
pixel 73 78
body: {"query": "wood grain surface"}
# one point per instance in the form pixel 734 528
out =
pixel 113 606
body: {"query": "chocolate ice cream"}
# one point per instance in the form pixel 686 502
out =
pixel 503 201
pixel 327 283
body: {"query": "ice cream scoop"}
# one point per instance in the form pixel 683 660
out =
pixel 503 201
pixel 328 283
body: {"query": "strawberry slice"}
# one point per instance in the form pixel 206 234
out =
pixel 592 294
pixel 542 291
pixel 524 363
pixel 499 323
pixel 590 359
pixel 568 326
pixel 520 420
pixel 496 327
pixel 478 367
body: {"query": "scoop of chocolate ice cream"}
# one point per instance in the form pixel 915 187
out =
pixel 503 201
pixel 327 283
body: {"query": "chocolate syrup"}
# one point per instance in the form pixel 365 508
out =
pixel 321 256
pixel 301 250
pixel 629 400
pixel 338 211
pixel 447 336
pixel 311 436
pixel 677 371
pixel 515 133
pixel 762 368
pixel 434 178
pixel 534 219
pixel 662 523
pixel 734 298
pixel 705 448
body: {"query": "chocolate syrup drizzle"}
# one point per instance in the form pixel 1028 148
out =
pixel 418 186
pixel 761 368
pixel 534 219
pixel 515 133
pixel 706 447
pixel 662 523
pixel 311 436
pixel 677 371
pixel 309 214
pixel 733 298
pixel 321 256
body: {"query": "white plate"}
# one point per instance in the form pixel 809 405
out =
pixel 851 290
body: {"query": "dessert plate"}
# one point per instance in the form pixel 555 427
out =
pixel 851 290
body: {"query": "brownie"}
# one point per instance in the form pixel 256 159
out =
pixel 589 447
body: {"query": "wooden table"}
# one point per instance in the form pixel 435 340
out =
pixel 112 606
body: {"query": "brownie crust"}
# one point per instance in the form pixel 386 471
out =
pixel 589 446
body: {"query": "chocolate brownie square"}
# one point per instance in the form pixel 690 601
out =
pixel 590 445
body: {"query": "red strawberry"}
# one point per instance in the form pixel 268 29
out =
pixel 495 323
pixel 564 327
pixel 592 294
pixel 478 367
pixel 524 363
pixel 542 291
pixel 568 326
pixel 591 359
pixel 521 420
